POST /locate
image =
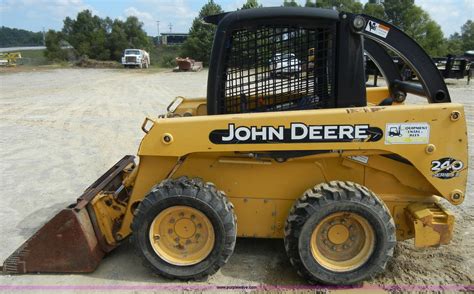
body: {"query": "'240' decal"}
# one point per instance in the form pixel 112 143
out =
pixel 446 168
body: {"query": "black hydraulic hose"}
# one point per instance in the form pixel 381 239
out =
pixel 408 87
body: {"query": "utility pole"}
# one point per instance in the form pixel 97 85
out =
pixel 158 29
pixel 171 27
pixel 44 37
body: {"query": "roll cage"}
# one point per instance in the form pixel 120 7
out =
pixel 342 37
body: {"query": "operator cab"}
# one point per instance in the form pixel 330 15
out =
pixel 280 58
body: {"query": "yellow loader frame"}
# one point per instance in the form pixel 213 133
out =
pixel 263 190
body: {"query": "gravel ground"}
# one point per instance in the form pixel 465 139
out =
pixel 60 129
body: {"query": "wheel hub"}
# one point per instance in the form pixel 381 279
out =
pixel 338 234
pixel 182 235
pixel 185 228
pixel 342 241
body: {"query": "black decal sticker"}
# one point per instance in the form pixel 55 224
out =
pixel 296 133
pixel 446 168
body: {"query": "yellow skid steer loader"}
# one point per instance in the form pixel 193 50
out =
pixel 289 143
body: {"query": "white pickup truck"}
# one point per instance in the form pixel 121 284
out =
pixel 135 57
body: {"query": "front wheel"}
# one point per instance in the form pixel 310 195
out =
pixel 339 233
pixel 184 229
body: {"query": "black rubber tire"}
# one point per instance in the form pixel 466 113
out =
pixel 323 200
pixel 199 195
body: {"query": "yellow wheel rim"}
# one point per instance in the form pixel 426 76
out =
pixel 342 241
pixel 182 235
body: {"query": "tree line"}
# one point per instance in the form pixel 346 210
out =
pixel 95 37
pixel 11 37
pixel 105 39
pixel 404 14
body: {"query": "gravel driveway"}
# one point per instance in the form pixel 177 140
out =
pixel 60 129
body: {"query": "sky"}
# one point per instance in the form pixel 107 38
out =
pixel 178 15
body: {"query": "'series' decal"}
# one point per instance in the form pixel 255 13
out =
pixel 446 168
pixel 296 133
pixel 407 133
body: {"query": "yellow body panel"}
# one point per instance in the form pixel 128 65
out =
pixel 263 189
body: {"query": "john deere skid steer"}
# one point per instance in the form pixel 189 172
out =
pixel 289 143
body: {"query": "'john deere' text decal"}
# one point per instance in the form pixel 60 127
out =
pixel 296 133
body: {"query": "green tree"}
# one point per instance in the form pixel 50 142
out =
pixel 10 37
pixel 136 36
pixel 290 3
pixel 341 5
pixel 53 44
pixel 375 10
pixel 467 36
pixel 117 40
pixel 396 11
pixel 198 45
pixel 87 34
pixel 454 44
pixel 251 4
pixel 310 3
pixel 98 38
pixel 417 23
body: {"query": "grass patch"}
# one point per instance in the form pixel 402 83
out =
pixel 164 56
pixel 33 58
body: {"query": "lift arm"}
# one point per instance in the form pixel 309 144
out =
pixel 378 32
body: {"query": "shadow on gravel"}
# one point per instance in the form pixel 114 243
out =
pixel 261 261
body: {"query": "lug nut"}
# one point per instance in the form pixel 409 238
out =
pixel 170 231
pixel 172 221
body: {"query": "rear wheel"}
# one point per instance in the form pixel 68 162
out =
pixel 184 229
pixel 339 233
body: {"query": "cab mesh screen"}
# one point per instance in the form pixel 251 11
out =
pixel 276 68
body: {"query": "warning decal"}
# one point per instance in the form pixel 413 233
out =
pixel 377 29
pixel 407 133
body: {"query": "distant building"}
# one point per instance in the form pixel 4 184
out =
pixel 173 38
pixel 376 1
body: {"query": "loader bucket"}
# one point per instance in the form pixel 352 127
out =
pixel 71 241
